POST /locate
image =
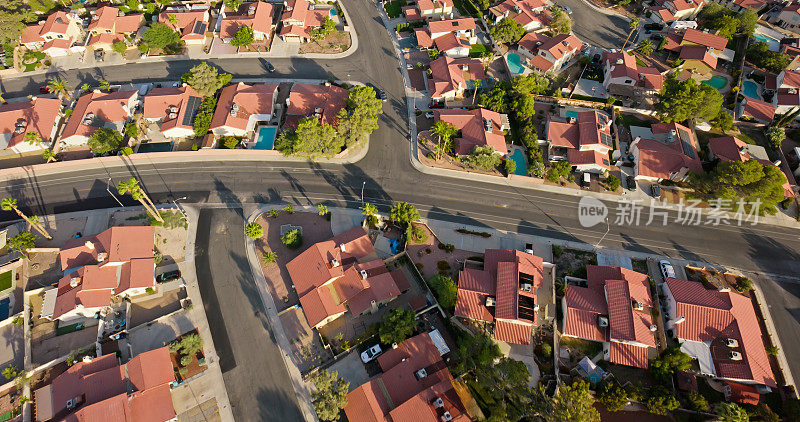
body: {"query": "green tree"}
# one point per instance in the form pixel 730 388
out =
pixel 495 99
pixel 612 396
pixel 104 140
pixel 233 4
pixel 445 289
pixel 104 84
pixel 33 138
pixel 730 412
pixel 254 230
pixel 132 187
pixel 330 394
pixel 511 166
pixel 558 170
pixel 723 121
pixel 474 353
pixel 119 47
pixel 660 401
pixel 560 21
pixel 202 119
pixel 483 157
pixel 160 35
pixel 132 130
pixel 269 257
pixel 359 118
pixel 696 401
pixel 683 100
pixel 507 31
pixel 10 204
pixel 533 84
pixel 59 86
pixel 645 47
pixel 524 107
pixel 244 36
pixel 311 139
pixel 775 135
pixel 445 132
pixel 10 372
pixel 292 239
pixel 747 22
pixel 671 361
pixel 749 181
pixel 573 403
pixel 191 344
pixel 21 242
pixel 772 350
pixel 612 182
pixel 206 79
pixel 760 55
pixel 48 155
pixel 322 210
pixel 727 26
pixel 369 210
pixel 403 213
pixel 396 326
pixel 633 26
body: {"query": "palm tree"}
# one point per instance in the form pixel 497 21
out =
pixel 445 131
pixel 58 86
pixel 85 87
pixel 2 100
pixel 48 155
pixel 173 20
pixel 105 85
pixel 369 210
pixel 33 138
pixel 132 186
pixel 632 26
pixel 10 204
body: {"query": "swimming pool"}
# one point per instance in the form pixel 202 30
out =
pixel 155 147
pixel 750 89
pixel 717 82
pixel 514 63
pixel 571 113
pixel 519 159
pixel 265 137
pixel 333 12
pixel 772 43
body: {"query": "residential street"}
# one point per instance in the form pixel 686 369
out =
pixel 252 367
pixel 596 28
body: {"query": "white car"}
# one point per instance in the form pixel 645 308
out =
pixel 371 353
pixel 429 114
pixel 666 269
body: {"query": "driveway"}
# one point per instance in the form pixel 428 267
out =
pixel 252 367
pixel 596 28
pixel 351 370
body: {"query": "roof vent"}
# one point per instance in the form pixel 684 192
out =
pixel 619 61
pixel 102 256
pixel 446 417
pixel 792 91
pixel 172 115
pixel 19 129
pixel 21 123
pixel 487 124
pixel 173 109
pixel 233 112
pixel 235 106
pixel 334 263
pixel 638 305
pixel 724 289
pixel 731 342
pixel 71 403
pixel 735 355
pixel 89 244
pixel 653 328
pixel 465 68
pixel 438 403
pixel 490 301
pixel 394 345
pixel 526 287
pixel 571 120
pixel 364 274
pixel 251 9
pixel 566 43
pixel 74 281
pixel 680 320
pixel 602 321
pixel 422 373
pixel 317 110
pixel 343 247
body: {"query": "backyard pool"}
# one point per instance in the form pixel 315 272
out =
pixel 514 63
pixel 571 114
pixel 519 158
pixel 772 43
pixel 750 89
pixel 155 147
pixel 265 137
pixel 333 12
pixel 718 82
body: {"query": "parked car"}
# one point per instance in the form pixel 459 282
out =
pixel 631 183
pixel 586 181
pixel 654 26
pixel 99 55
pixel 656 191
pixel 667 271
pixel 371 353
pixel 270 67
pixel 381 94
pixel 168 276
pixel 44 89
pixel 429 114
pixel 436 104
pixel 566 8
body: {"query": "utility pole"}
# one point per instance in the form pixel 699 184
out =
pixel 108 189
pixel 608 228
pixel 363 183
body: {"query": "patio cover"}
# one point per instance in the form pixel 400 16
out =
pixel 702 352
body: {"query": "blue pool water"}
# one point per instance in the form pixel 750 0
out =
pixel 519 158
pixel 718 82
pixel 333 12
pixel 571 113
pixel 514 63
pixel 750 89
pixel 265 138
pixel 774 45
pixel 155 147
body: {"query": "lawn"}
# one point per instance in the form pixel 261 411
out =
pixel 6 280
pixel 393 8
pixel 478 50
pixel 66 329
pixel 31 60
pixel 631 120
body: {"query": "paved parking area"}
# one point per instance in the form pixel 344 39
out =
pixel 12 352
pixel 351 369
pixel 158 333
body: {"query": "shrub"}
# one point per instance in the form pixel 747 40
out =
pixel 292 239
pixel 254 230
pixel 557 251
pixel 18 320
pixel 443 266
pixel 416 234
pixel 612 396
pixel 150 290
pixel 546 349
pixel 696 401
pixel 183 371
pixel 445 289
pixel 186 360
pixel 744 284
pixel 661 401
pixel 202 120
pixel 269 257
pixel 773 350
pixel 612 182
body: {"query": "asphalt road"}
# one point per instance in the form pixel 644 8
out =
pixel 596 28
pixel 252 368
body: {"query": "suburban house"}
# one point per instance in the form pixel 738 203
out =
pixel 719 329
pixel 54 36
pixel 343 274
pixel 451 37
pixel 190 21
pixel 788 92
pixel 665 151
pixel 613 308
pixel 109 25
pixel 450 77
pixel 791 47
pixel 789 17
pixel 623 77
pixel 730 148
pixel 504 292
pixel 528 13
pixel 39 115
pixel 700 51
pixel 95 110
pixel 584 141
pixel 742 5
pixel 545 54
pixel 757 110
pixel 415 385
pixel 478 127
pixel 241 106
pixel 117 262
pixel 429 9
pixel 321 101
pixel 173 109
pixel 298 19
pixel 671 10
pixel 101 389
pixel 256 15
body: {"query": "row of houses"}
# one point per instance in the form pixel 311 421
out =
pixel 240 108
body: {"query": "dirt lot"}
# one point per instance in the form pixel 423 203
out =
pixel 427 255
pixel 150 310
pixel 572 262
pixel 171 242
pixel 333 43
pixel 307 350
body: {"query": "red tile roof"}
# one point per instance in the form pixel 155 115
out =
pixel 577 158
pixel 158 101
pixel 791 79
pixel 449 74
pixel 628 354
pixel 319 304
pixel 38 116
pixel 471 304
pixel 108 19
pixel 522 11
pixel 472 125
pixel 451 25
pixel 121 243
pixel 712 316
pixel 513 331
pixel 694 36
pixel 192 24
pixel 260 20
pixel 250 100
pixel 663 13
pixel 759 110
pixel 700 53
pixel 449 42
pixel 592 129
pixel 310 100
pixel 411 13
pixel 56 23
pixel 744 394
pixel 105 107
pixel 664 158
pixel 430 5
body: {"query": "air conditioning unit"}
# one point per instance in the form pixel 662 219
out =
pixel 731 342
pixel 526 287
pixel 735 355
pixel 363 274
pixel 653 328
pixel 74 281
pixel 317 110
pixel 602 321
pixel 438 403
pixel 680 320
pixel 71 403
pixel 446 417
pixel 172 115
pixel 334 263
pixel 638 305
pixel 490 301
pixel 19 129
pixel 342 247
pixel 173 109
pixel 536 307
pixel 102 256
pixel 233 112
pixel 422 373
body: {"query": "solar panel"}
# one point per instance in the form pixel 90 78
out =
pixel 686 145
pixel 192 104
pixel 199 28
pixel 605 139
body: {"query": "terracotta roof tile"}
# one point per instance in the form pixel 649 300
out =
pixel 705 39
pixel 472 125
pixel 759 110
pixel 250 99
pixel 309 100
pixel 39 116
pixel 627 354
pixel 513 331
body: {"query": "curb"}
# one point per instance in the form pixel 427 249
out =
pixel 773 336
